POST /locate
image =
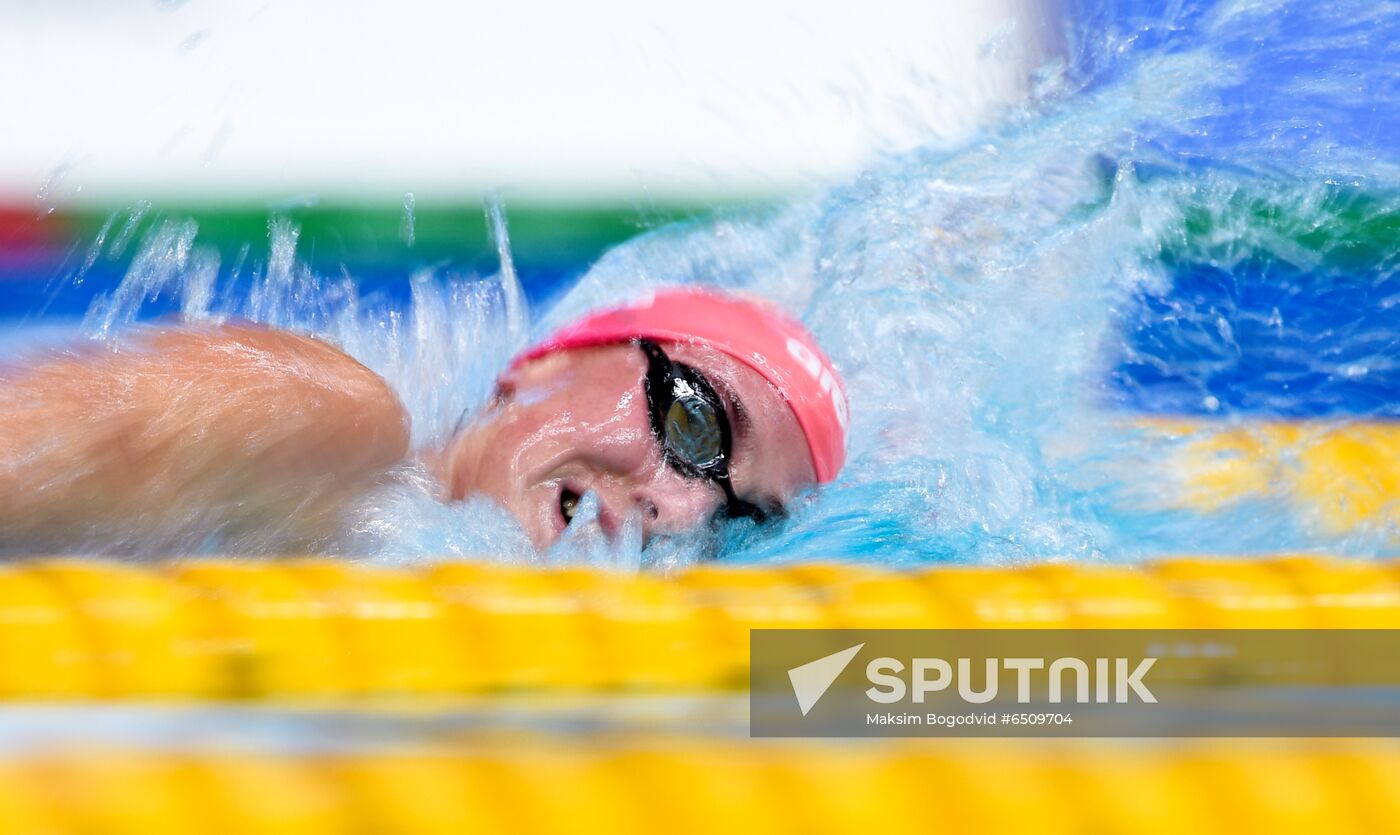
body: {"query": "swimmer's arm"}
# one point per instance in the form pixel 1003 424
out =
pixel 235 425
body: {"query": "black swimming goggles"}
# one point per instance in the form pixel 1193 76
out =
pixel 689 421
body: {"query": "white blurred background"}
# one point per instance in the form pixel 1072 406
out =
pixel 113 100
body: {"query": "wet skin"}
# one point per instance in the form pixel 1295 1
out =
pixel 578 421
pixel 267 436
pixel 258 434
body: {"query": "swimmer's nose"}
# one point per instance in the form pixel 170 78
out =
pixel 675 504
pixel 668 503
pixel 637 479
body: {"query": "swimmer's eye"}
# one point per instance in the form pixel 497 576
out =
pixel 692 430
pixel 568 504
pixel 688 419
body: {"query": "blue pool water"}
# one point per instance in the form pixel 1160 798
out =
pixel 1191 217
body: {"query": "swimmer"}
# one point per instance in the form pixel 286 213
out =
pixel 677 408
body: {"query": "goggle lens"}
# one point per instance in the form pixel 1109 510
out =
pixel 690 423
pixel 693 432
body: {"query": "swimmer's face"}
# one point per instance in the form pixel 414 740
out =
pixel 578 421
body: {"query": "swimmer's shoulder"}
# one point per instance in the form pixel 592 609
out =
pixel 177 431
pixel 305 383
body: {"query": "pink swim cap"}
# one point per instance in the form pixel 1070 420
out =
pixel 755 333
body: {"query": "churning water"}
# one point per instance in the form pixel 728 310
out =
pixel 1193 215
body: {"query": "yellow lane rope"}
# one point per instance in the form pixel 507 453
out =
pixel 75 629
pixel 688 785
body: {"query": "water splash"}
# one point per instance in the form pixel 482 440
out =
pixel 168 262
pixel 516 313
pixel 404 523
pixel 586 543
pixel 1004 313
pixel 407 226
pixel 977 300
